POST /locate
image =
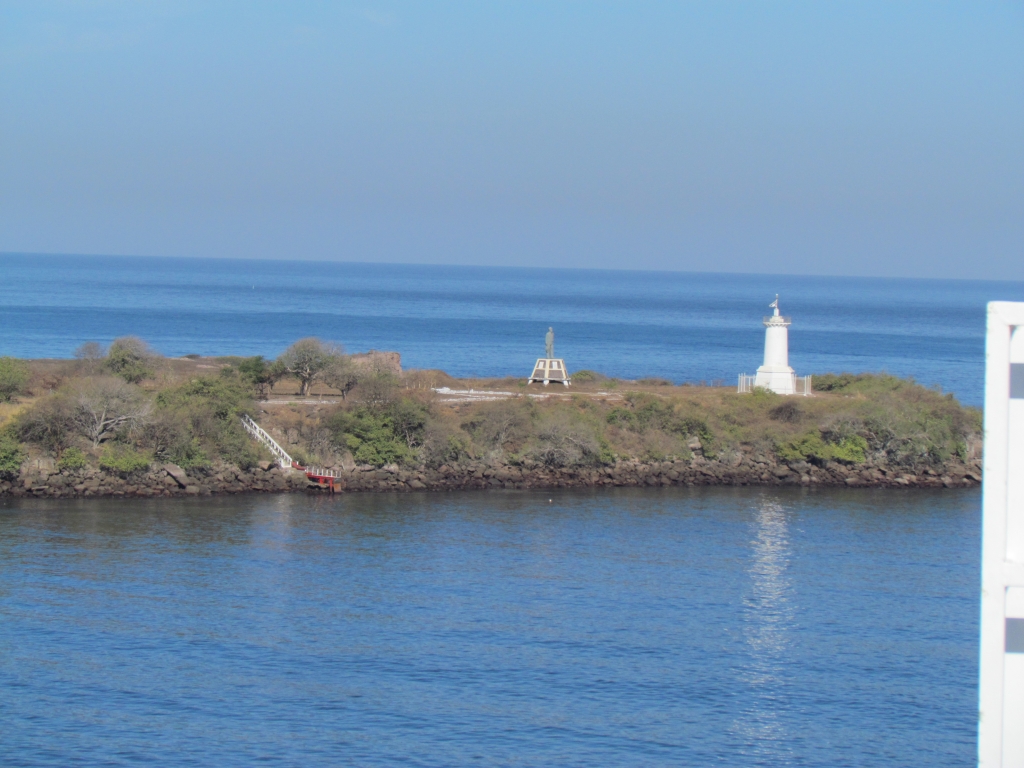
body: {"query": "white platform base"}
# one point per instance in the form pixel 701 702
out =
pixel 548 369
pixel 780 380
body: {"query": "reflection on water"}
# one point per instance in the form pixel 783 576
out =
pixel 767 624
pixel 618 628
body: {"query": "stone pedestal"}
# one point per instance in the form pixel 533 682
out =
pixel 548 369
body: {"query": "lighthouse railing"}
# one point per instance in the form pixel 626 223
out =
pixel 746 384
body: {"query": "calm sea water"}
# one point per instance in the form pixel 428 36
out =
pixel 621 628
pixel 475 321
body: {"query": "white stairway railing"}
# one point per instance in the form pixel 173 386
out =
pixel 261 435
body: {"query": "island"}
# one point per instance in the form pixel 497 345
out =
pixel 126 421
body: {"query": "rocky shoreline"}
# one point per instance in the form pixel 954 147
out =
pixel 42 479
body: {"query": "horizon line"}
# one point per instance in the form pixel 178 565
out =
pixel 4 253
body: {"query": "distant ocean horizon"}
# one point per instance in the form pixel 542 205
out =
pixel 490 321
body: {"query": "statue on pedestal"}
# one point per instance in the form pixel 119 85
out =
pixel 549 368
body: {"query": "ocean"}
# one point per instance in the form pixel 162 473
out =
pixel 479 321
pixel 631 627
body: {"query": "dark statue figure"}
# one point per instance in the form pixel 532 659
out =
pixel 549 343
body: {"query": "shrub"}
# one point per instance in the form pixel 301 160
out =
pixel 123 459
pixel 11 456
pixel 14 376
pixel 812 447
pixel 787 411
pixel 370 435
pixel 209 410
pixel 72 459
pixel 443 445
pixel 501 425
pixel 130 358
pixel 51 423
pixel 565 441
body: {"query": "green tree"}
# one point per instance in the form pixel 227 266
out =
pixel 260 374
pixel 131 359
pixel 14 376
pixel 307 359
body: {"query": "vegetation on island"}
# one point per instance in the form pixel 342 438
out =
pixel 125 408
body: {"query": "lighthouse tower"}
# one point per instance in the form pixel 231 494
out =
pixel 776 374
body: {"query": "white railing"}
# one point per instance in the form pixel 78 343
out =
pixel 320 472
pixel 261 435
pixel 801 385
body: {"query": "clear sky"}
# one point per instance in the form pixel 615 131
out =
pixel 865 138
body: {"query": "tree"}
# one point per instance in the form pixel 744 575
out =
pixel 131 359
pixel 307 359
pixel 14 376
pixel 260 374
pixel 341 375
pixel 90 355
pixel 106 406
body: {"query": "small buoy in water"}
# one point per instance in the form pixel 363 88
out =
pixel 549 501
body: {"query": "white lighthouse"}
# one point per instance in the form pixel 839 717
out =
pixel 775 374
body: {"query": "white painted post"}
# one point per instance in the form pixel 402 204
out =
pixel 1001 683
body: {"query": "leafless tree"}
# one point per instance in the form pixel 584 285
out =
pixel 341 374
pixel 90 356
pixel 106 406
pixel 501 423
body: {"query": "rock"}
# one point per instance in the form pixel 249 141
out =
pixel 265 465
pixel 693 444
pixel 173 470
pixel 192 490
pixel 781 471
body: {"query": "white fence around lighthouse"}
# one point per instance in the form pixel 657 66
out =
pixel 1001 683
pixel 801 384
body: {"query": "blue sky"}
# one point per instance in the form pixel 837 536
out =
pixel 819 138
